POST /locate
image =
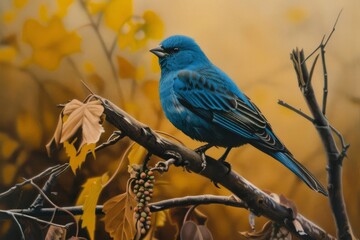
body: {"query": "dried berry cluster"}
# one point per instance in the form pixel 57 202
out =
pixel 143 189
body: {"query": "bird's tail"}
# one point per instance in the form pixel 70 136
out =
pixel 300 171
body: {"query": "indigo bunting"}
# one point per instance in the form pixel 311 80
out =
pixel 203 102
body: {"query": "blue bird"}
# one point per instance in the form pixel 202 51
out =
pixel 203 102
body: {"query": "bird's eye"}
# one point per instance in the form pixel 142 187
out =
pixel 173 50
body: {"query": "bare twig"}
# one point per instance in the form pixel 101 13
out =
pixel 56 207
pixel 108 53
pixel 41 175
pixel 333 155
pixel 38 202
pixel 301 113
pixel 20 214
pixel 18 224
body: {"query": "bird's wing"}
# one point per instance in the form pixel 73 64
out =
pixel 206 94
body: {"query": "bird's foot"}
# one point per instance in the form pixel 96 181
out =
pixel 203 149
pixel 223 158
pixel 226 164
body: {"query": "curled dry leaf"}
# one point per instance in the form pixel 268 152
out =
pixel 85 116
pixel 284 201
pixel 77 116
pixel 192 231
pixel 55 233
pixel 177 217
pixel 270 231
pixel 119 216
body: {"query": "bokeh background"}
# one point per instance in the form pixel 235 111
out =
pixel 48 47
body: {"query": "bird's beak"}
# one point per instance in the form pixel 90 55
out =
pixel 159 51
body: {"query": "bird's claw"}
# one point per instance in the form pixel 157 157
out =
pixel 203 162
pixel 227 165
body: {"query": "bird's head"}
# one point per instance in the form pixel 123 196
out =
pixel 179 52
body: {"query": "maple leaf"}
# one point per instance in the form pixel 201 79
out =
pixel 85 116
pixel 88 198
pixel 119 216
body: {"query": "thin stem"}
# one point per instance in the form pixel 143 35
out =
pixel 56 206
pixel 301 113
pixel 43 174
pixel 325 88
pixel 107 52
pixel 19 214
pixel 125 154
pixel 18 224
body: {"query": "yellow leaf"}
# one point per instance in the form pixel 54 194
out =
pixel 296 15
pixel 119 220
pixel 136 32
pixel 117 12
pixel 161 218
pixel 126 69
pixel 7 54
pixel 94 7
pixel 8 173
pixel 58 43
pixel 7 146
pixel 88 198
pixel 29 130
pixel 78 157
pixel 43 13
pixel 137 154
pixel 85 116
pixel 63 6
pixel 154 26
pixel 19 3
pixel 8 16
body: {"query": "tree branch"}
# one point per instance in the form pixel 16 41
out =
pixel 257 201
pixel 154 207
pixel 334 157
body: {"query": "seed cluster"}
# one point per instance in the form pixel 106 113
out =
pixel 143 189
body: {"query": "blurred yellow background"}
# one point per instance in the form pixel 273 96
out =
pixel 47 47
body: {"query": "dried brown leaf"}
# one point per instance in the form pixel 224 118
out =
pixel 119 217
pixel 269 231
pixel 190 231
pixel 55 233
pixel 55 140
pixel 85 116
pixel 193 231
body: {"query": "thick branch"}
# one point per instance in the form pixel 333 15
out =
pixel 257 201
pixel 334 157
